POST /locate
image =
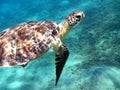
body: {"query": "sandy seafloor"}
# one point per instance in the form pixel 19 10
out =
pixel 94 61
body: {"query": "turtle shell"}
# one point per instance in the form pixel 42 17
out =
pixel 26 41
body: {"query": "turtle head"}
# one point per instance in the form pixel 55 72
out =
pixel 74 18
pixel 70 21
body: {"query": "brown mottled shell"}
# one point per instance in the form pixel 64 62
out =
pixel 24 42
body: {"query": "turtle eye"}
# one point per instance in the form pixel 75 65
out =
pixel 78 16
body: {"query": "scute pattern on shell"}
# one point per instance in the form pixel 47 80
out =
pixel 26 41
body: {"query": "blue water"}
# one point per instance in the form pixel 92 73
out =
pixel 94 61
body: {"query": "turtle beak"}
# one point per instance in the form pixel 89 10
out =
pixel 83 15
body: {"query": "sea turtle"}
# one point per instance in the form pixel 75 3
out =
pixel 29 40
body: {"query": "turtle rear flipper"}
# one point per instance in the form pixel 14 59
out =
pixel 61 57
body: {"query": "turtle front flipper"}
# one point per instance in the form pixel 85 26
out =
pixel 61 57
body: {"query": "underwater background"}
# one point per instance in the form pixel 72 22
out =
pixel 94 45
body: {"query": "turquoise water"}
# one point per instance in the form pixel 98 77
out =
pixel 94 61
